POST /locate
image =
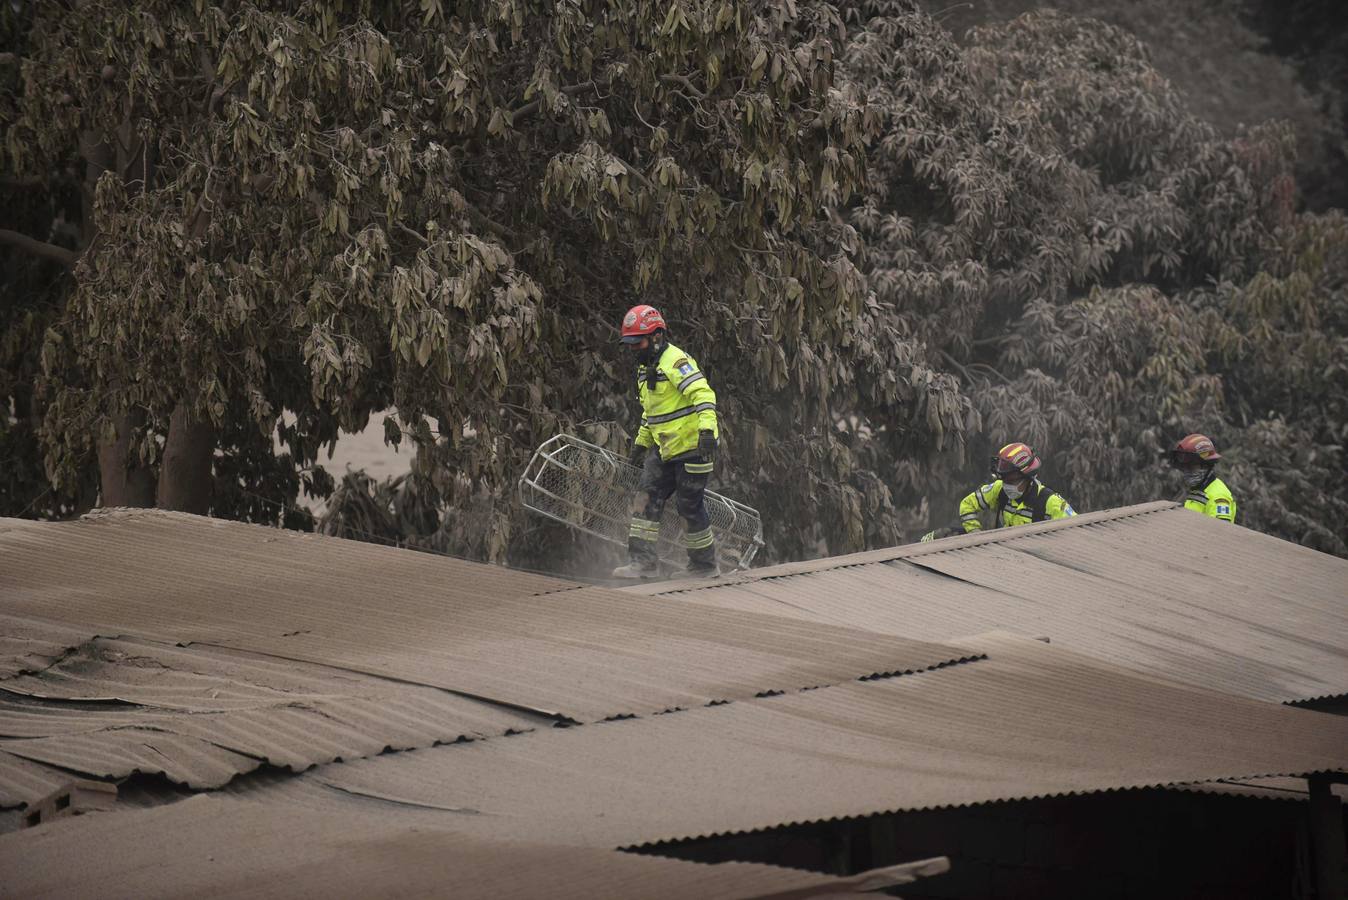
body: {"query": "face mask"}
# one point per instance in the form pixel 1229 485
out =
pixel 651 352
pixel 1013 491
pixel 1195 477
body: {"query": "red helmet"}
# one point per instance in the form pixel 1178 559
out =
pixel 640 322
pixel 1015 457
pixel 1195 448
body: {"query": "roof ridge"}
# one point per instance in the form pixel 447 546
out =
pixel 905 551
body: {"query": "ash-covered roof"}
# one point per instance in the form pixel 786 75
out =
pixel 1153 587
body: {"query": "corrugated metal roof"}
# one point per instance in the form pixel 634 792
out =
pixel 200 716
pixel 1280 788
pixel 1029 721
pixel 1153 587
pixel 532 642
pixel 223 847
pixel 26 645
pixel 22 782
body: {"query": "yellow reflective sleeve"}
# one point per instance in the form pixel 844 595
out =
pixel 1222 507
pixel 698 391
pixel 645 438
pixel 1058 508
pixel 980 499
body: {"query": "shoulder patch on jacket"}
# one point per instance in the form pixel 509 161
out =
pixel 1223 509
pixel 683 366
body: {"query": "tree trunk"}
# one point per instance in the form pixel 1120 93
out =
pixel 185 472
pixel 123 480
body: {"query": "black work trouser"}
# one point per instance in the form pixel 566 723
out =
pixel 685 479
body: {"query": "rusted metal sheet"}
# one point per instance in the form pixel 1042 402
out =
pixel 1154 587
pixel 223 847
pixel 531 642
pixel 1029 721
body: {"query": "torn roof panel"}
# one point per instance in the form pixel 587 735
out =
pixel 27 644
pixel 532 642
pixel 1028 721
pixel 1153 587
pixel 220 846
pixel 23 781
pixel 81 711
pixel 128 751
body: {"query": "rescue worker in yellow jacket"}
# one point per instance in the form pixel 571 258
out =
pixel 1015 496
pixel 1196 457
pixel 675 446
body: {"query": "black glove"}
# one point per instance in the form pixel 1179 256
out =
pixel 638 455
pixel 706 445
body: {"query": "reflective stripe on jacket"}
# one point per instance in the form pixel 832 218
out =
pixel 680 404
pixel 1037 504
pixel 1212 499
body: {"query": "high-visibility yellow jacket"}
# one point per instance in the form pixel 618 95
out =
pixel 680 404
pixel 1212 499
pixel 1036 504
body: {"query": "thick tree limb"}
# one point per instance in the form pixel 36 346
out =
pixel 687 85
pixel 185 471
pixel 123 479
pixel 534 106
pixel 53 252
pixel 425 242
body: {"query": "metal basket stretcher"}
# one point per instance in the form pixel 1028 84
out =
pixel 593 490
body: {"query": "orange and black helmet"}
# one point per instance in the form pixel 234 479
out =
pixel 1196 448
pixel 1015 458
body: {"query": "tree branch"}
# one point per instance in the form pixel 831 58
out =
pixel 688 85
pixel 534 106
pixel 9 59
pixel 413 233
pixel 958 366
pixel 53 252
pixel 637 174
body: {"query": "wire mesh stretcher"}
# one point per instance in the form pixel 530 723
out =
pixel 593 490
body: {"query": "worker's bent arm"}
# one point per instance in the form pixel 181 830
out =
pixel 980 500
pixel 1058 508
pixel 644 436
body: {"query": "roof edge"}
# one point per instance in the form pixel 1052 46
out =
pixel 903 551
pixel 1050 795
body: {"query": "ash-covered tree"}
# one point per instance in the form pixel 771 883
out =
pixel 1099 269
pixel 1095 268
pixel 1213 307
pixel 39 231
pixel 325 209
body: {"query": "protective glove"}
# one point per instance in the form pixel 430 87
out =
pixel 706 445
pixel 929 536
pixel 638 455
